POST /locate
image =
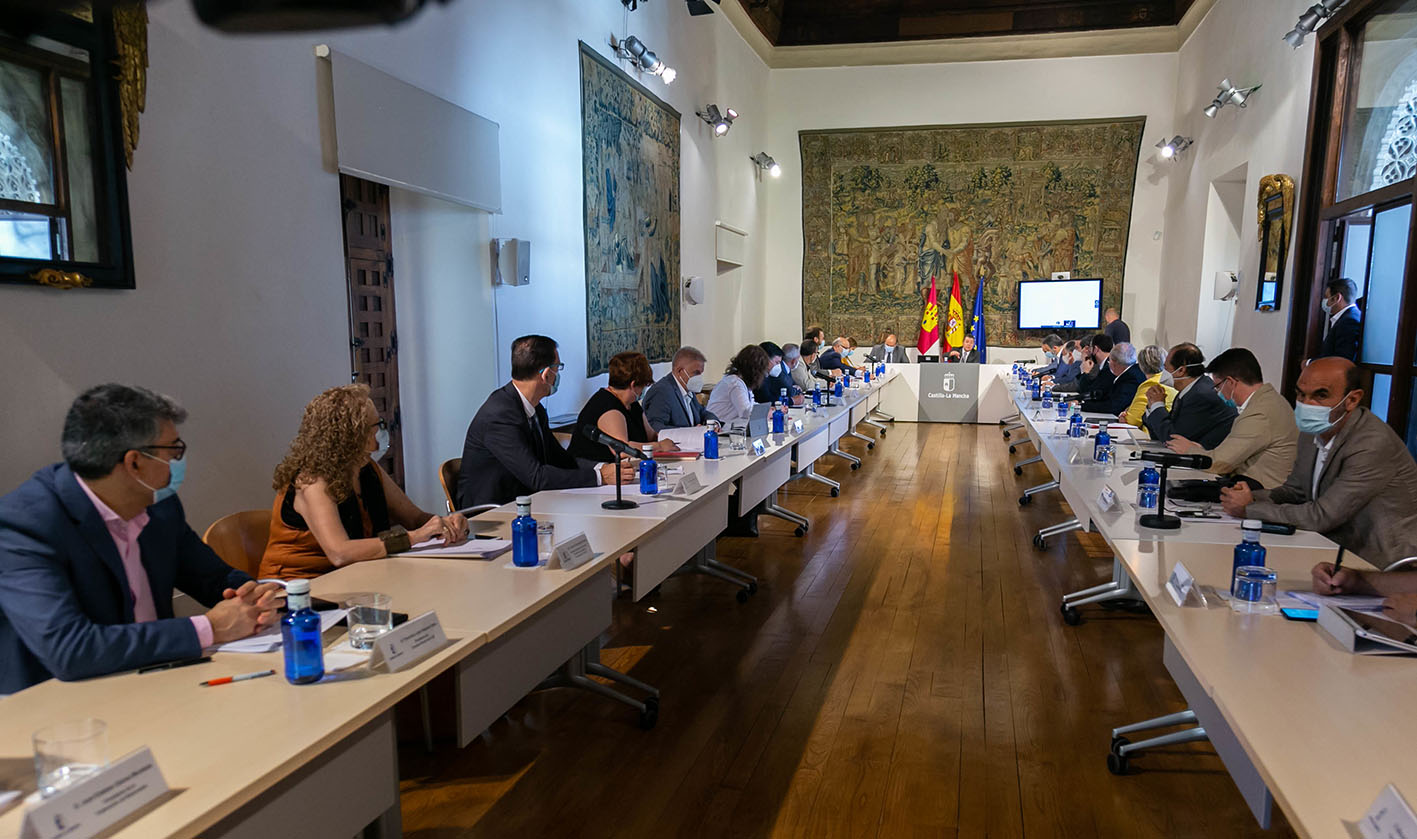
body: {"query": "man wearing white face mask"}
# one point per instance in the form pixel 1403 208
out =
pixel 778 379
pixel 91 550
pixel 1353 481
pixel 672 402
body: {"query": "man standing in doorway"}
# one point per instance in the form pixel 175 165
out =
pixel 1116 328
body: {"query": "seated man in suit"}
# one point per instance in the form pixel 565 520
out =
pixel 831 362
pixel 967 353
pixel 1094 374
pixel 1353 480
pixel 796 370
pixel 672 402
pixel 1051 344
pixel 1069 366
pixel 1263 438
pixel 778 379
pixel 1345 322
pixel 889 350
pixel 1126 378
pixel 1197 413
pixel 510 451
pixel 92 548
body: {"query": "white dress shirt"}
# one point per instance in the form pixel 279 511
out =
pixel 731 400
pixel 1319 462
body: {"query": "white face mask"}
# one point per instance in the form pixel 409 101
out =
pixel 381 439
pixel 695 384
pixel 776 370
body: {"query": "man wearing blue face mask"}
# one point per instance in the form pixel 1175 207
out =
pixel 91 550
pixel 1354 480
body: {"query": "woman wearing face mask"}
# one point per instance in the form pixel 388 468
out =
pixel 334 504
pixel 732 398
pixel 615 409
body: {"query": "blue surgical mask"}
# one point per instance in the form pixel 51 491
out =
pixel 177 470
pixel 1052 356
pixel 556 382
pixel 381 437
pixel 1313 419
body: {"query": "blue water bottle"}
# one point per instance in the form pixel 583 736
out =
pixel 1076 426
pixel 817 394
pixel 1048 398
pixel 711 442
pixel 779 420
pixel 1062 409
pixel 1249 551
pixel 649 472
pixel 1102 446
pixel 838 389
pixel 1148 488
pixel 300 636
pixel 1037 390
pixel 524 535
pixel 782 398
pixel 881 369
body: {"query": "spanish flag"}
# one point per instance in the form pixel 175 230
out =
pixel 954 320
pixel 929 322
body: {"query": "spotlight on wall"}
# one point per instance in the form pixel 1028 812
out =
pixel 1229 95
pixel 1310 20
pixel 1172 148
pixel 720 120
pixel 764 162
pixel 633 50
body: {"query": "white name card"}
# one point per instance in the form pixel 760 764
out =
pixel 688 484
pixel 797 426
pixel 406 645
pixel 575 551
pixel 98 802
pixel 759 447
pixel 1180 585
pixel 1107 499
pixel 1390 817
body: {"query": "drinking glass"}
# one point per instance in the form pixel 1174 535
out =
pixel 370 615
pixel 67 752
pixel 545 541
pixel 1252 590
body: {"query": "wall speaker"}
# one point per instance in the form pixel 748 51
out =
pixel 511 262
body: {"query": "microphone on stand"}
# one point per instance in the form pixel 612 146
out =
pixel 1191 461
pixel 618 502
pixel 1160 520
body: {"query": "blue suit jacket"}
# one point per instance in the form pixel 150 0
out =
pixel 664 407
pixel 1067 374
pixel 1119 396
pixel 65 606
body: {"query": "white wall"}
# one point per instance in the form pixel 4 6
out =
pixel 981 92
pixel 240 310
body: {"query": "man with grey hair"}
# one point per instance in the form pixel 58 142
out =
pixel 1122 362
pixel 672 402
pixel 799 361
pixel 92 548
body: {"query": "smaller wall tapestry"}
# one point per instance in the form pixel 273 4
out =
pixel 884 209
pixel 630 156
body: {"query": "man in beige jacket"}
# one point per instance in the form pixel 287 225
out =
pixel 1263 440
pixel 1354 480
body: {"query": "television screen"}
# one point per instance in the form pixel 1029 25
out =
pixel 1060 304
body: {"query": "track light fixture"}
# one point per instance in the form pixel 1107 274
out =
pixel 764 161
pixel 1229 95
pixel 720 120
pixel 633 50
pixel 1310 20
pixel 1172 148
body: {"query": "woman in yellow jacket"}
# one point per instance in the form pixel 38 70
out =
pixel 1150 360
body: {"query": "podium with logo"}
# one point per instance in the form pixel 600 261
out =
pixel 945 392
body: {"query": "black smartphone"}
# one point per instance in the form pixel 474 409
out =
pixel 1275 527
pixel 1300 614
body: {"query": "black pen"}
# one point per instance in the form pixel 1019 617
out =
pixel 172 664
pixel 1337 562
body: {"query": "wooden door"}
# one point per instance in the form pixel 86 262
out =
pixel 373 333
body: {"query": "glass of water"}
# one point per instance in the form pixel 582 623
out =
pixel 67 752
pixel 370 615
pixel 545 541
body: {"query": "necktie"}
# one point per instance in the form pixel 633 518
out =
pixel 689 408
pixel 536 441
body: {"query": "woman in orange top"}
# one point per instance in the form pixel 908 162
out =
pixel 334 504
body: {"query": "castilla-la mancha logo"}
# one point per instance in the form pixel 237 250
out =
pixel 948 383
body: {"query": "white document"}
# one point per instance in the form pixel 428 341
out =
pixel 471 548
pixel 687 439
pixel 7 797
pixel 269 641
pixel 1310 600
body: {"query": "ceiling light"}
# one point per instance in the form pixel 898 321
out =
pixel 764 161
pixel 1310 20
pixel 632 49
pixel 1172 148
pixel 1229 95
pixel 720 120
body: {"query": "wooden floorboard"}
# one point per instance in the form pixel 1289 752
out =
pixel 902 672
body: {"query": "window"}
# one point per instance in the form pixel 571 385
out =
pixel 63 197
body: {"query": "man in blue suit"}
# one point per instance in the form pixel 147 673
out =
pixel 1343 324
pixel 1127 377
pixel 672 402
pixel 92 548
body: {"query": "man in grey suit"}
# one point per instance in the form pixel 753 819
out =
pixel 1197 413
pixel 672 402
pixel 889 350
pixel 1354 479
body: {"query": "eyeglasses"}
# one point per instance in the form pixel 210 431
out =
pixel 558 367
pixel 178 446
pixel 382 425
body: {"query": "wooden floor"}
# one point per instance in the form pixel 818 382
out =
pixel 903 671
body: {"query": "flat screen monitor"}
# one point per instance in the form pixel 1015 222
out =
pixel 1060 304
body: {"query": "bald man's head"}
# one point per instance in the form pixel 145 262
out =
pixel 1333 383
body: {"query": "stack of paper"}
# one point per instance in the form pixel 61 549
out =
pixel 269 641
pixel 687 439
pixel 1293 598
pixel 470 549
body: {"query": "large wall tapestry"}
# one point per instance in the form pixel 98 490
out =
pixel 883 209
pixel 630 154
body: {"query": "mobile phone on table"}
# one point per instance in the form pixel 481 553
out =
pixel 1297 614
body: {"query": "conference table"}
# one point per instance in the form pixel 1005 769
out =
pixel 1295 718
pixel 266 758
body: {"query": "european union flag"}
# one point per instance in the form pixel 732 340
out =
pixel 976 327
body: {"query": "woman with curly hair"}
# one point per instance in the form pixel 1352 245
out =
pixel 334 504
pixel 732 398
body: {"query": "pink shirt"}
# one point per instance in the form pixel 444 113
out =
pixel 125 533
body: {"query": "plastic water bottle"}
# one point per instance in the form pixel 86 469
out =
pixel 300 636
pixel 524 535
pixel 838 390
pixel 866 375
pixel 779 420
pixel 711 442
pixel 1148 488
pixel 782 398
pixel 1076 426
pixel 1062 410
pixel 1048 399
pixel 649 472
pixel 881 369
pixel 1249 551
pixel 817 394
pixel 1102 446
pixel 1037 390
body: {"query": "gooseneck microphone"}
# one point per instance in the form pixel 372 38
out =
pixel 1191 461
pixel 609 442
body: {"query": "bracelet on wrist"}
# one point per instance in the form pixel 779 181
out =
pixel 395 540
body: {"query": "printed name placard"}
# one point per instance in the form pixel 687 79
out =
pixel 797 426
pixel 1107 499
pixel 94 804
pixel 1390 817
pixel 1180 584
pixel 575 551
pixel 408 644
pixel 759 447
pixel 688 484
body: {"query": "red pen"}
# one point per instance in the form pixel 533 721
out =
pixel 226 680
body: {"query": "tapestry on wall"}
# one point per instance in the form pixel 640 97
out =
pixel 884 209
pixel 630 157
